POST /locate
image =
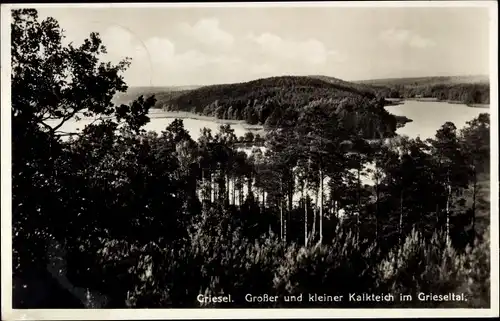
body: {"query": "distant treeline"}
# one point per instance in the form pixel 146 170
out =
pixel 463 93
pixel 253 101
pixel 466 90
pixel 422 81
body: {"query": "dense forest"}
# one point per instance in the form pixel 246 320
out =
pixel 467 90
pixel 276 100
pixel 117 217
pixel 256 101
pixel 380 91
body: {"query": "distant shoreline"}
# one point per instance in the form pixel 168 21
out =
pixel 401 101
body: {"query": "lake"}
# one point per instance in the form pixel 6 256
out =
pixel 429 116
pixel 160 119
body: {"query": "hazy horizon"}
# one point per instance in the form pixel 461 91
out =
pixel 197 46
pixel 354 81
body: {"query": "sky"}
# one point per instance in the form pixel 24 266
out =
pixel 200 46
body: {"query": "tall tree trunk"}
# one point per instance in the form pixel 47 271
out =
pixel 320 205
pixel 448 201
pixel 305 216
pixel 203 188
pixel 335 205
pixel 315 214
pixel 289 214
pixel 358 199
pixel 241 184
pixel 234 191
pixel 209 186
pixel 283 214
pixel 282 223
pixel 249 185
pixel 219 186
pixel 377 192
pixel 228 188
pixel 218 189
pixel 332 206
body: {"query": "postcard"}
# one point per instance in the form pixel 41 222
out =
pixel 263 160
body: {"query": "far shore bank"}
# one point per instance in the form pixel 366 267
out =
pixel 401 101
pixel 157 115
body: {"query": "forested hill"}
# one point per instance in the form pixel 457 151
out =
pixel 459 89
pixel 284 90
pixel 276 101
pixel 380 90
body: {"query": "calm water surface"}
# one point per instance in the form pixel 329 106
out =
pixel 428 117
pixel 159 120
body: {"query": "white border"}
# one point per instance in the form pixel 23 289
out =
pixel 60 314
pixel 276 4
pixel 494 178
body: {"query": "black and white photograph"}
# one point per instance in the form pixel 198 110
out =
pixel 232 160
